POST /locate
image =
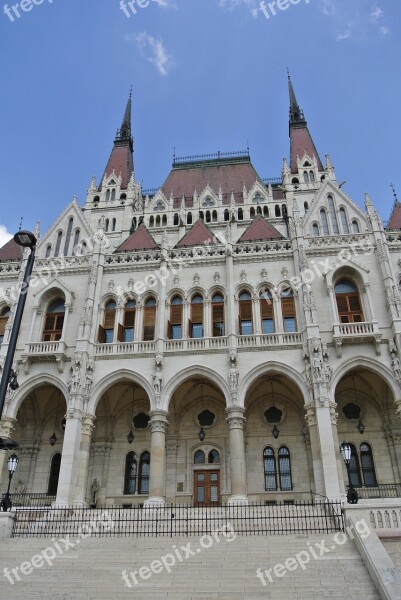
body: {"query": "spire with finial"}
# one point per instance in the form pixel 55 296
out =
pixel 296 113
pixel 396 201
pixel 124 133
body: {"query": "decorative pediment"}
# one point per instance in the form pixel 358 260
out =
pixel 72 210
pixel 48 290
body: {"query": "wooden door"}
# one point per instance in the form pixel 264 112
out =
pixel 207 488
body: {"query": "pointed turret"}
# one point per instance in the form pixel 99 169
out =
pixel 121 160
pixel 301 140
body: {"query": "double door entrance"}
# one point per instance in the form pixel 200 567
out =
pixel 207 488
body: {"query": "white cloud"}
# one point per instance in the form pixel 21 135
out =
pixel 5 236
pixel 376 14
pixel 327 7
pixel 165 3
pixel 353 20
pixel 153 49
pixel 384 30
pixel 252 5
pixel 344 35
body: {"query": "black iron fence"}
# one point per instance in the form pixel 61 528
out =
pixel 180 520
pixel 31 500
pixel 384 490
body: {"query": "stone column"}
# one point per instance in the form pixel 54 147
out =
pixel 236 421
pixel 83 459
pixel 157 459
pixel 7 426
pixel 70 458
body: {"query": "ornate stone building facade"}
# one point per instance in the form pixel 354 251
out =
pixel 212 340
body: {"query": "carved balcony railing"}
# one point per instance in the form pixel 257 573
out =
pixel 271 340
pixel 356 333
pixel 383 490
pixel 119 349
pixel 45 352
pixel 196 344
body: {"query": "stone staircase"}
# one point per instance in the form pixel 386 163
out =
pixel 205 568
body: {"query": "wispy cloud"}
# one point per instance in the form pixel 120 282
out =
pixel 251 5
pixel 354 20
pixel 5 236
pixel 152 49
pixel 165 3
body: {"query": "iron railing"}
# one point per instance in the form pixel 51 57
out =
pixel 31 500
pixel 383 490
pixel 180 520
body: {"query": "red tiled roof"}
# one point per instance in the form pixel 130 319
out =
pixel 395 219
pixel 198 234
pixel 11 251
pixel 259 229
pixel 301 142
pixel 229 177
pixel 121 161
pixel 139 240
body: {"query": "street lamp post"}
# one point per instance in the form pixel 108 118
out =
pixel 26 239
pixel 352 494
pixel 6 503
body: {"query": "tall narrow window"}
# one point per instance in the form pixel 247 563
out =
pixel 288 310
pixel 355 227
pixel 354 472
pixel 284 468
pixel 245 314
pixel 48 250
pixel 144 472
pixel 344 220
pixel 196 321
pixel 113 195
pixel 4 315
pixel 58 243
pixel 189 218
pixel 199 457
pixel 152 221
pixel 106 331
pixel 164 221
pixel 158 221
pixel 217 315
pixel 325 224
pixel 348 302
pixel 54 321
pixel 175 221
pixel 312 177
pixel 68 236
pixel 175 323
pixel 226 215
pixel 266 312
pixel 315 230
pixel 240 214
pixel 368 469
pixel 277 211
pixel 108 196
pixel 333 215
pixel 130 473
pixel 106 228
pixel 208 216
pixel 54 475
pixel 114 225
pixel 126 332
pixel 214 216
pixel 306 177
pixel 76 240
pixel 149 319
pixel 252 213
pixel 265 212
pixel 269 466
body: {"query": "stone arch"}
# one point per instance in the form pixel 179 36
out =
pixel 29 386
pixel 265 368
pixel 117 377
pixel 194 371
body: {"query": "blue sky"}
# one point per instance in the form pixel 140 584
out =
pixel 207 75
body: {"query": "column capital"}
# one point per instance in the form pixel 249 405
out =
pixel 235 417
pixel 88 423
pixel 7 425
pixel 158 420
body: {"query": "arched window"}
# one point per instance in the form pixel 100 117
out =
pixel 152 221
pixel 126 333
pixel 269 466
pixel 48 250
pixel 123 198
pixel 106 228
pixel 106 331
pixel 214 216
pixel 368 468
pixel 158 221
pixel 58 243
pixel 130 473
pixel 240 214
pixel 76 240
pixel 348 302
pixel 306 177
pixel 315 230
pixel 311 177
pixel 325 224
pixel 164 220
pixel 175 323
pixel 175 222
pixel 149 319
pixel 108 196
pixel 199 457
pixel 306 206
pixel 226 215
pixel 196 321
pixel 277 211
pixel 355 226
pixel 144 472
pixel 208 217
pixel 217 315
pixel 68 236
pixel 259 210
pixel 284 469
pixel 54 474
pixel 114 225
pixel 265 212
pixel 4 315
pixel 214 457
pixel 333 215
pixel 266 312
pixel 295 181
pixel 245 314
pixel 96 199
pixel 344 220
pixel 113 195
pixel 354 472
pixel 252 213
pixel 201 215
pixel 54 321
pixel 288 310
pixel 283 210
pixel 189 218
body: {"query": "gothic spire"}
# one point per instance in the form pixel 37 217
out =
pixel 124 133
pixel 121 160
pixel 296 113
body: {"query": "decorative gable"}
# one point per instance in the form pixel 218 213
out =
pixel 198 234
pixel 139 240
pixel 260 230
